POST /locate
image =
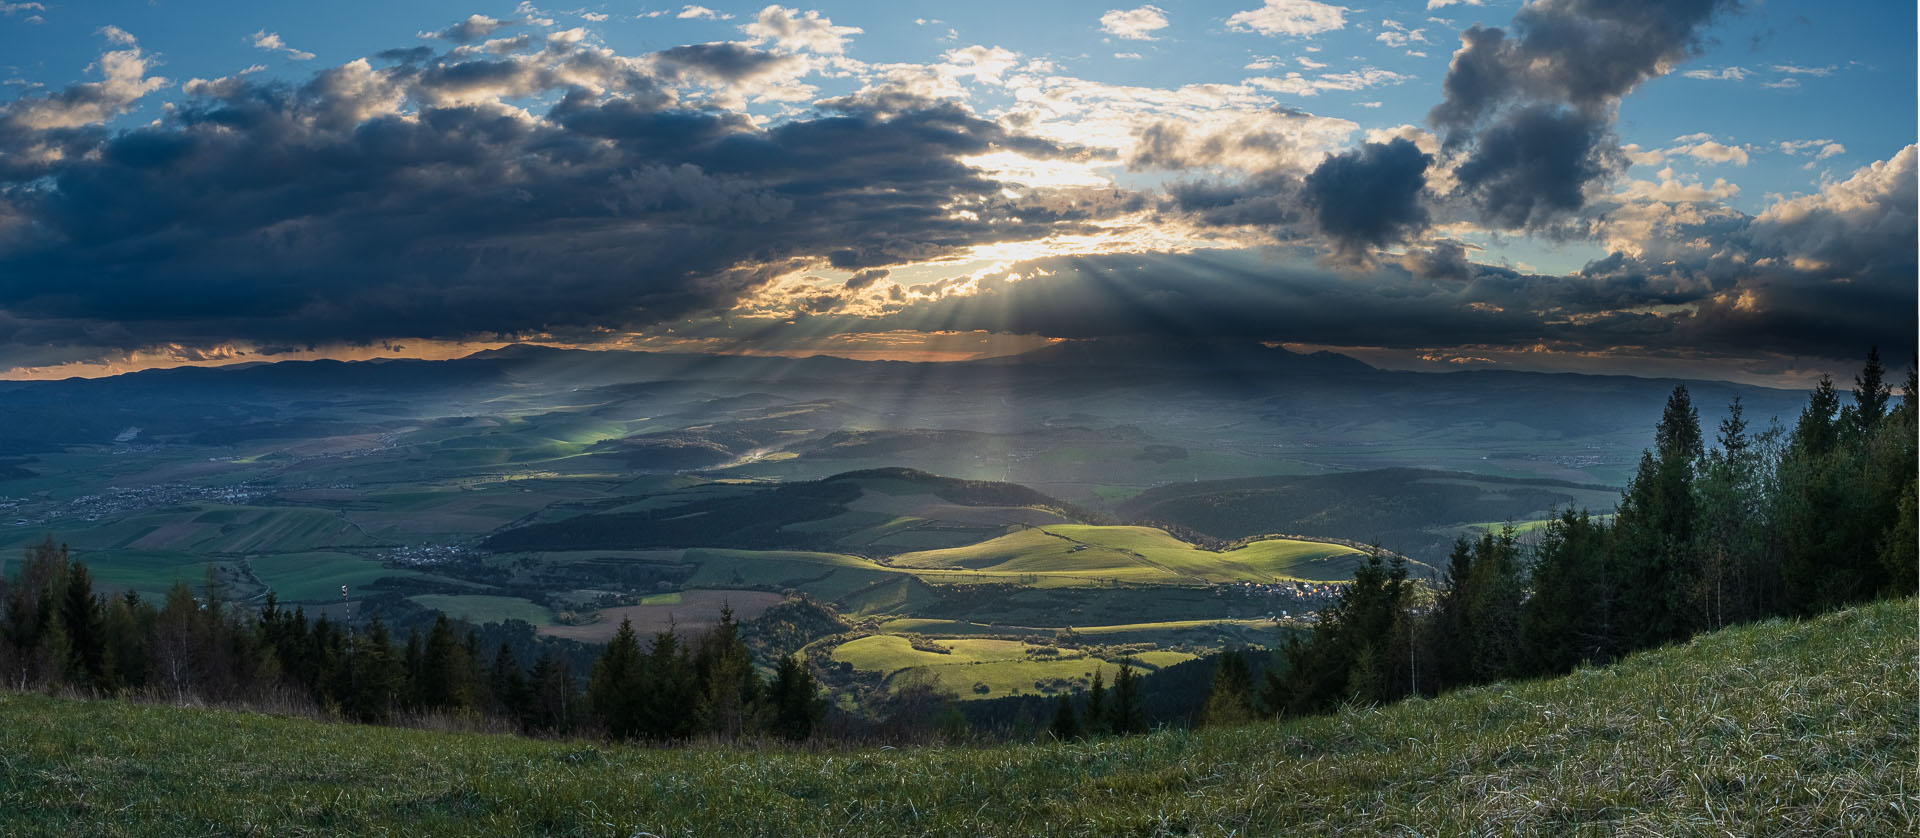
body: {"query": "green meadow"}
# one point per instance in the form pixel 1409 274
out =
pixel 1779 728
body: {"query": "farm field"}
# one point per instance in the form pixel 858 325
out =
pixel 975 668
pixel 688 612
pixel 317 577
pixel 482 608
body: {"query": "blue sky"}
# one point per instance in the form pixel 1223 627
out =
pixel 1693 187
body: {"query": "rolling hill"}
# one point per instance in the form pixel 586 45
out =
pixel 1782 727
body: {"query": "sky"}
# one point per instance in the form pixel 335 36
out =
pixel 1696 188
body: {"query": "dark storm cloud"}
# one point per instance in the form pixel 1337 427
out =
pixel 729 62
pixel 370 203
pixel 1533 164
pixel 1444 260
pixel 1369 196
pixel 1534 110
pixel 1818 277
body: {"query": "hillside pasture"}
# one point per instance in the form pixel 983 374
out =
pixel 1137 555
pixel 1002 667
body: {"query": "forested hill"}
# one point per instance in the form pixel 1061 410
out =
pixel 1784 727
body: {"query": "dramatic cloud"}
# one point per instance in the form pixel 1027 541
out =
pixel 335 211
pixel 1299 18
pixel 509 178
pixel 40 131
pixel 1134 24
pixel 1534 110
pixel 1369 196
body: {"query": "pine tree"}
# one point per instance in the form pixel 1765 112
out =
pixel 614 688
pixel 1870 397
pixel 508 687
pixel 1899 466
pixel 670 691
pixel 553 705
pixel 27 624
pixel 1065 726
pixel 446 671
pixel 86 637
pixel 1658 558
pixel 1495 597
pixel 1230 700
pixel 378 684
pixel 1568 620
pixel 1096 715
pixel 1127 714
pixel 729 690
pixel 797 706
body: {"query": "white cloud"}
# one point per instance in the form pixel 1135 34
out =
pixel 124 81
pixel 1783 84
pixel 1796 70
pixel 1713 152
pixel 1128 56
pixel 1298 85
pixel 117 36
pixel 1441 4
pixel 270 41
pixel 1310 63
pixel 1290 17
pixel 1818 149
pixel 1722 74
pixel 795 30
pixel 11 9
pixel 1370 104
pixel 983 63
pixel 1134 24
pixel 1396 35
pixel 701 13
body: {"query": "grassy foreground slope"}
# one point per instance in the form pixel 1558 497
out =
pixel 1779 728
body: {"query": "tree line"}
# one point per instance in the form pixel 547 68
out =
pixel 56 632
pixel 1782 522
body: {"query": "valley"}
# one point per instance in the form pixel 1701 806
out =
pixel 1188 503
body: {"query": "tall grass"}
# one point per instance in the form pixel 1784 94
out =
pixel 1778 728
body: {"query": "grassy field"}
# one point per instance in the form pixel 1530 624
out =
pixel 1780 728
pixel 480 608
pixel 1002 667
pixel 1138 555
pixel 317 577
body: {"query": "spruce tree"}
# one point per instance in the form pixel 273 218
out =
pixel 1096 715
pixel 614 688
pixel 1065 726
pixel 670 691
pixel 1126 714
pixel 1230 699
pixel 797 706
pixel 86 637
